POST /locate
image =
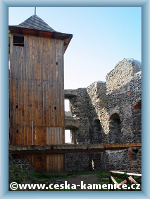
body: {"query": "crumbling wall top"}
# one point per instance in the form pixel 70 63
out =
pixel 122 74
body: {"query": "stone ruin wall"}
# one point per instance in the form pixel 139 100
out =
pixel 98 105
pixel 123 91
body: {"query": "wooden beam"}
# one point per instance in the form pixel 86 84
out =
pixel 65 148
pixel 127 173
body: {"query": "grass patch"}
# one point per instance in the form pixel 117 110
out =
pixel 102 174
pixel 82 172
pixel 18 175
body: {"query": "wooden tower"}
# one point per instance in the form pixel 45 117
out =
pixel 36 91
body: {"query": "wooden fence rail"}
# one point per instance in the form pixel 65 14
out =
pixel 129 178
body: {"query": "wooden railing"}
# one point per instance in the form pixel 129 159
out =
pixel 132 179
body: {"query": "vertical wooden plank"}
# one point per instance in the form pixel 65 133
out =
pixel 50 131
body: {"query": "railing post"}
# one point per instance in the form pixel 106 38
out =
pixel 110 181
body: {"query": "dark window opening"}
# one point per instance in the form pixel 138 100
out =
pixel 115 116
pixel 17 131
pixel 96 132
pixel 97 125
pixel 115 128
pixel 39 159
pixel 18 41
pixel 16 106
pixel 55 107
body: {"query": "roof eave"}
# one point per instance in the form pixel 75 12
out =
pixel 40 33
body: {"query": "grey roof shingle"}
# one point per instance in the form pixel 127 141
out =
pixel 36 23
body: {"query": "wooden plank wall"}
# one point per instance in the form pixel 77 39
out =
pixel 37 92
pixel 36 96
pixel 45 163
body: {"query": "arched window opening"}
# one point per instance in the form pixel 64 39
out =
pixel 115 116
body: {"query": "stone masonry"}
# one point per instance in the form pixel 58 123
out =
pixel 107 112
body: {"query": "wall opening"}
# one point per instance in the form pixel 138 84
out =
pixel 18 40
pixel 68 136
pixel 93 164
pixel 96 131
pixel 136 118
pixel 67 105
pixel 67 108
pixel 115 128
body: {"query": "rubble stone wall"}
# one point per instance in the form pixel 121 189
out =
pixel 83 161
pixel 127 159
pixel 111 113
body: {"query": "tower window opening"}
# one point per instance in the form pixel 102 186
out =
pixel 18 40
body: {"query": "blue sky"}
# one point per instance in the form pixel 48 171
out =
pixel 102 36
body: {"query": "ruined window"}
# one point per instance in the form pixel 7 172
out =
pixel 68 136
pixel 115 117
pixel 67 105
pixel 96 134
pixel 136 119
pixel 67 108
pixel 97 125
pixel 115 128
pixel 18 40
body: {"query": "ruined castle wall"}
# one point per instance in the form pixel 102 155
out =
pixel 79 104
pixel 121 75
pixel 83 161
pixel 97 94
pixel 100 101
pixel 127 159
pixel 79 129
pixel 111 113
pixel 136 106
pixel 123 88
pixel 90 104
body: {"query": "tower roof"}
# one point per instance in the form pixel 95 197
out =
pixel 34 25
pixel 35 22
